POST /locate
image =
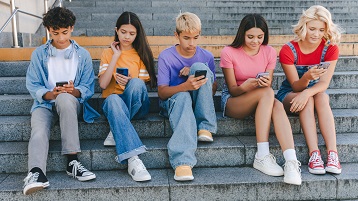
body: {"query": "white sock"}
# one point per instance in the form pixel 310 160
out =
pixel 290 155
pixel 262 149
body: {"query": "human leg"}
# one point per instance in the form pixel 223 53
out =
pixel 136 98
pixel 68 109
pixel 204 109
pixel 128 143
pixel 328 130
pixel 183 143
pixel 41 121
pixel 308 124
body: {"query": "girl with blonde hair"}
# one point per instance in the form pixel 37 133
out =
pixel 309 62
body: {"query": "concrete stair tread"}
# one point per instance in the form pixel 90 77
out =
pixel 223 152
pixel 223 183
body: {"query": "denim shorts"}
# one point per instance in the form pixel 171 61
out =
pixel 286 87
pixel 225 95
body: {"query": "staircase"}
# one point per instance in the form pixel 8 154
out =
pixel 224 169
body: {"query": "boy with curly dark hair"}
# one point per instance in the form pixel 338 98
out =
pixel 60 78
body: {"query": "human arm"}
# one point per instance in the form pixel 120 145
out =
pixel 105 78
pixel 192 83
pixel 300 101
pixel 233 88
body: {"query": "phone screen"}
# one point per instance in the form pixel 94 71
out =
pixel 262 74
pixel 324 65
pixel 200 73
pixel 122 71
pixel 60 84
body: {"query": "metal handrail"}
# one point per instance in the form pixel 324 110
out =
pixel 13 19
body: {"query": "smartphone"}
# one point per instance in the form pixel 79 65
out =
pixel 60 84
pixel 122 71
pixel 324 65
pixel 262 74
pixel 200 73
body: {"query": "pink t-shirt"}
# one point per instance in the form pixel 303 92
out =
pixel 246 66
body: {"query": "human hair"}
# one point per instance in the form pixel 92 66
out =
pixel 333 32
pixel 58 17
pixel 140 43
pixel 187 22
pixel 248 22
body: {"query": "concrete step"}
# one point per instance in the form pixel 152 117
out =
pixel 223 183
pixel 13 105
pixel 17 128
pixel 18 68
pixel 223 152
pixel 340 80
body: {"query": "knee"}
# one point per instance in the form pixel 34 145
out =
pixel 136 84
pixel 267 93
pixel 321 99
pixel 201 66
pixel 65 101
pixel 112 101
pixel 277 106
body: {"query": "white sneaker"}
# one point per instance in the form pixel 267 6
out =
pixel 292 172
pixel 137 170
pixel 109 141
pixel 268 165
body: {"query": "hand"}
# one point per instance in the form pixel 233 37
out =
pixel 264 81
pixel 250 84
pixel 299 102
pixel 122 79
pixel 184 71
pixel 315 73
pixel 194 83
pixel 69 88
pixel 116 48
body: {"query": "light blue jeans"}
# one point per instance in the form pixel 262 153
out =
pixel 119 110
pixel 189 112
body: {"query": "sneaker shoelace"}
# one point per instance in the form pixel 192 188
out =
pixel 31 178
pixel 139 165
pixel 77 166
pixel 270 158
pixel 293 165
pixel 316 159
pixel 333 160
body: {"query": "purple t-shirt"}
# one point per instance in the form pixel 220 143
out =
pixel 170 63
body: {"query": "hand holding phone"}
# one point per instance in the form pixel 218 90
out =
pixel 262 74
pixel 122 71
pixel 199 73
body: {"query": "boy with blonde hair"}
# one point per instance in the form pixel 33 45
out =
pixel 187 100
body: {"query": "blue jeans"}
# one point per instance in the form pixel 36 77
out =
pixel 189 112
pixel 119 110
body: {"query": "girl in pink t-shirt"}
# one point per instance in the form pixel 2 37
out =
pixel 303 91
pixel 247 93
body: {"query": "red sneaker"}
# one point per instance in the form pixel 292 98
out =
pixel 333 165
pixel 315 164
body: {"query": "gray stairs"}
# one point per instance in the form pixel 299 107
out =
pixel 224 170
pixel 218 17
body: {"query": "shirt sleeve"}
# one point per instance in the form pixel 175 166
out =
pixel 332 53
pixel 225 59
pixel 211 65
pixel 286 55
pixel 272 59
pixel 163 71
pixel 103 63
pixel 143 73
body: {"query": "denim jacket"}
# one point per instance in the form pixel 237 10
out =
pixel 38 85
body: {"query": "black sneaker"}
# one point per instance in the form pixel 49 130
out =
pixel 35 181
pixel 76 170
